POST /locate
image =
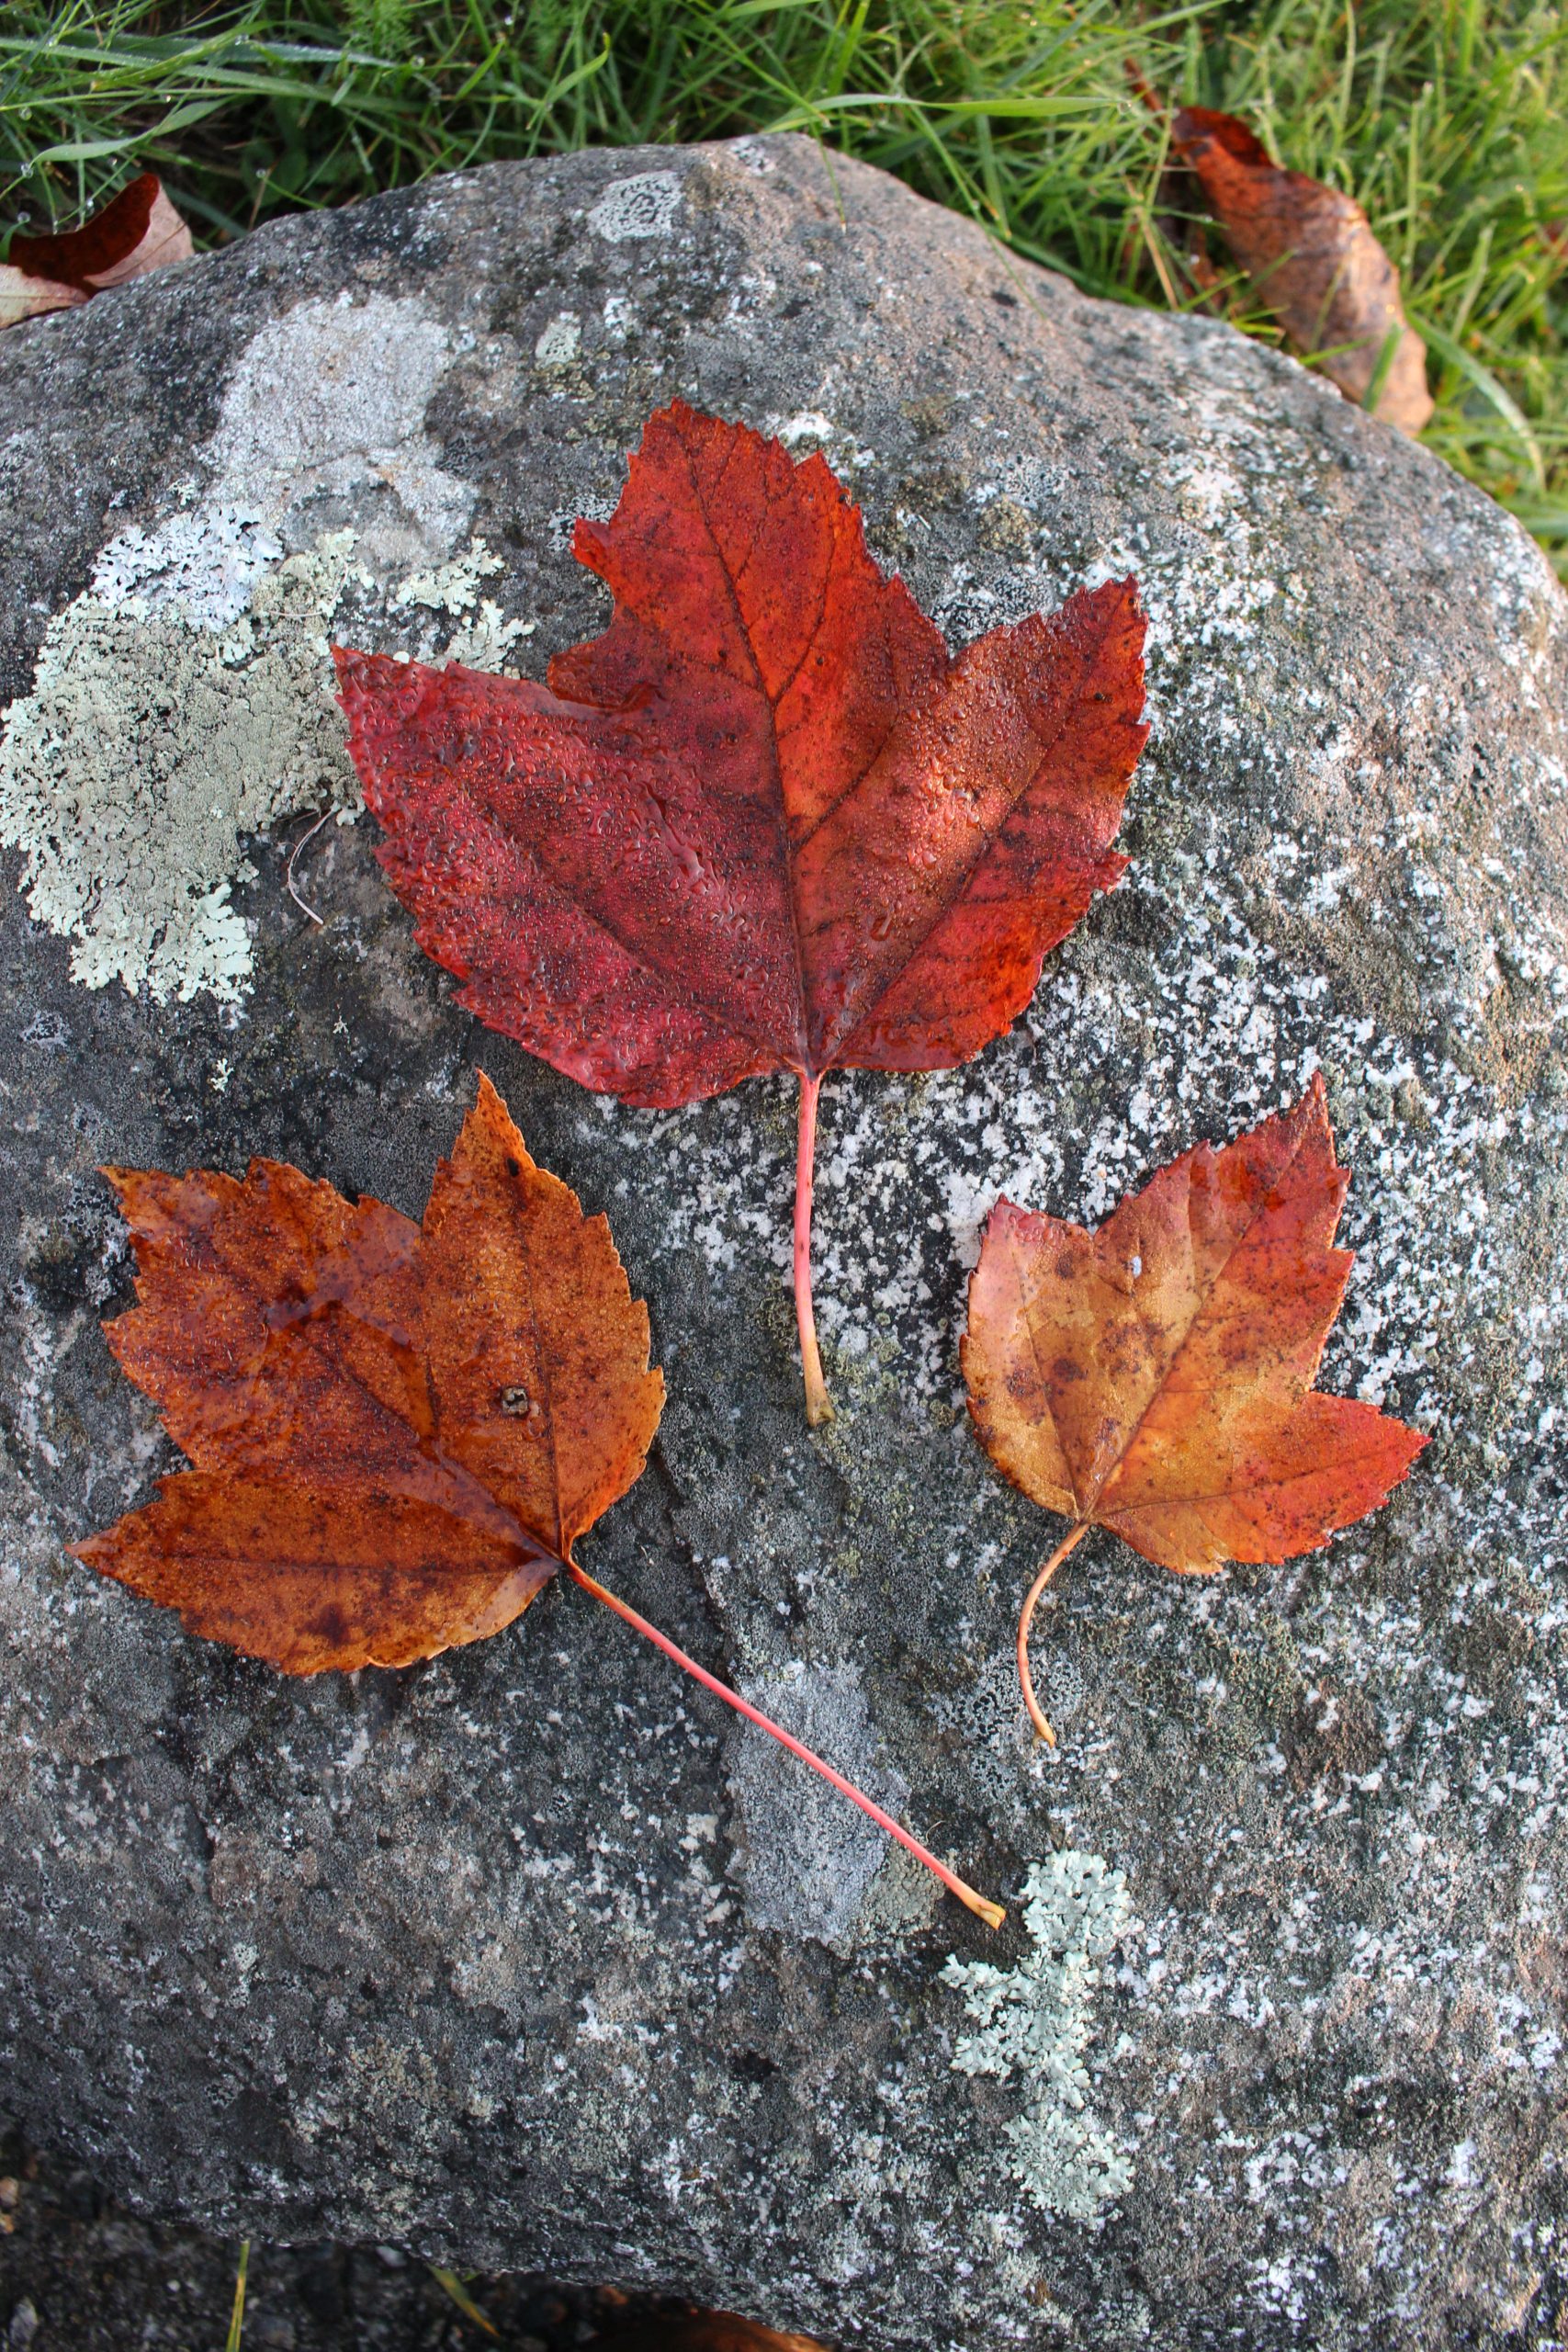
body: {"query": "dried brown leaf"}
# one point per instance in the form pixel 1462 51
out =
pixel 1313 260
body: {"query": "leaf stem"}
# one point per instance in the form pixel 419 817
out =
pixel 992 1913
pixel 818 1404
pixel 1073 1535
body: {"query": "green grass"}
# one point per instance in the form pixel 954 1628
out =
pixel 1447 119
pixel 237 2316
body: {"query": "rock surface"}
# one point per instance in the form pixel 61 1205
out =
pixel 524 1956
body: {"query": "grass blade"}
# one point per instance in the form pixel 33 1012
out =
pixel 237 2316
pixel 450 2284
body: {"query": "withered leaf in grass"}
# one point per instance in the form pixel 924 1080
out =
pixel 1156 1376
pixel 137 231
pixel 767 821
pixel 1313 260
pixel 399 1432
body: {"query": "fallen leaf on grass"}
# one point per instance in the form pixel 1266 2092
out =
pixel 766 821
pixel 1156 1376
pixel 1313 260
pixel 136 232
pixel 399 1432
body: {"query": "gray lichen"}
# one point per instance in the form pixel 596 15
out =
pixel 323 424
pixel 151 743
pixel 1035 2024
pixel 646 205
pixel 186 699
pixel 810 1863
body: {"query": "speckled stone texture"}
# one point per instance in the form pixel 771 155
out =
pixel 527 1957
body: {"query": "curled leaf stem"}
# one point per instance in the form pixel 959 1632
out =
pixel 309 835
pixel 1030 1599
pixel 818 1404
pixel 992 1913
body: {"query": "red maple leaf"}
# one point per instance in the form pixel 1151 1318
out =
pixel 1156 1376
pixel 766 821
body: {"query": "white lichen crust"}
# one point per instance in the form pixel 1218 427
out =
pixel 1035 2022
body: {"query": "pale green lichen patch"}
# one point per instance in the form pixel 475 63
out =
pixel 149 744
pixel 1035 2023
pixel 184 702
pixel 485 640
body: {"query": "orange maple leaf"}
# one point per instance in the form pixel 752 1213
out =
pixel 1156 1376
pixel 398 1431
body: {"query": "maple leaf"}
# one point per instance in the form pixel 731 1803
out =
pixel 399 1432
pixel 766 821
pixel 1156 1376
pixel 1313 261
pixel 137 231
